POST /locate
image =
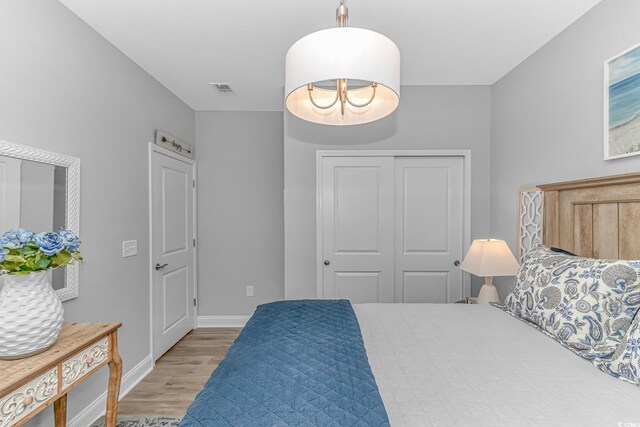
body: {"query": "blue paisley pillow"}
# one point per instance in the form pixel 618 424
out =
pixel 587 304
pixel 625 362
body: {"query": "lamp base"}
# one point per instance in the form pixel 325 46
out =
pixel 488 292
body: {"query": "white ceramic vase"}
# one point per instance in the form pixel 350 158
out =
pixel 30 315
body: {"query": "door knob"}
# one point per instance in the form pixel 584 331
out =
pixel 456 263
pixel 327 262
pixel 160 267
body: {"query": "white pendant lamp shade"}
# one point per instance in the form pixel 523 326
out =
pixel 368 61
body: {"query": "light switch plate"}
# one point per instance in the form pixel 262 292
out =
pixel 129 248
pixel 249 291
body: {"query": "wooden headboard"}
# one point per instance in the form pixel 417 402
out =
pixel 598 217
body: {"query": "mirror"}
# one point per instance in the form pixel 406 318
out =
pixel 39 190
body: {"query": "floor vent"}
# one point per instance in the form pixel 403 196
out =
pixel 223 88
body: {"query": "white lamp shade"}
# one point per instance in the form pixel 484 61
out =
pixel 343 53
pixel 489 258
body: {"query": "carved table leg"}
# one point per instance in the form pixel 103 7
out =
pixel 60 411
pixel 115 375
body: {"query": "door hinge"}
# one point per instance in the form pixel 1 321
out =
pixel 194 183
pixel 194 302
pixel 194 243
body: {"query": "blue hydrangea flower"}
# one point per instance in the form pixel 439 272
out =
pixel 17 238
pixel 3 253
pixel 49 242
pixel 71 241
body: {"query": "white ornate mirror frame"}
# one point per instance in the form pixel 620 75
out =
pixel 72 165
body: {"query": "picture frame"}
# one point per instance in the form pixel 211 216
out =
pixel 622 104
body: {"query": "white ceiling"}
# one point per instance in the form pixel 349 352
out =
pixel 186 44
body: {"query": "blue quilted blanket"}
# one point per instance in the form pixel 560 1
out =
pixel 295 363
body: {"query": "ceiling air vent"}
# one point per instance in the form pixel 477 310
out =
pixel 223 89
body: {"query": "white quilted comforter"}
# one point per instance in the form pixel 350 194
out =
pixel 474 365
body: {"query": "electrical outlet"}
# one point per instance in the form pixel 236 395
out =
pixel 249 291
pixel 129 248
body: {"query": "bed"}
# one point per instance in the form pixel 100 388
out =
pixel 431 364
pixel 475 365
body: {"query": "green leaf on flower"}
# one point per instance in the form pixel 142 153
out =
pixel 27 252
pixel 42 264
pixel 11 266
pixel 61 258
pixel 29 265
pixel 11 258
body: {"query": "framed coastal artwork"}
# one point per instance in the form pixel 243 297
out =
pixel 622 105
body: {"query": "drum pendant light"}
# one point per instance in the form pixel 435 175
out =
pixel 342 76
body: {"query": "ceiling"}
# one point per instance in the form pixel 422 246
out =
pixel 186 44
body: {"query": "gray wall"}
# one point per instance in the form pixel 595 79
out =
pixel 240 210
pixel 66 89
pixel 547 114
pixel 429 117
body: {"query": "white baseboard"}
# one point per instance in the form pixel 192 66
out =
pixel 222 321
pixel 97 408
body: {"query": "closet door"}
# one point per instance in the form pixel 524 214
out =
pixel 357 228
pixel 428 228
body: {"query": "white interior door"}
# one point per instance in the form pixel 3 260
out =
pixel 429 195
pixel 173 300
pixel 357 232
pixel 10 189
pixel 392 228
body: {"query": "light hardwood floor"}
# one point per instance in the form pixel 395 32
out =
pixel 179 374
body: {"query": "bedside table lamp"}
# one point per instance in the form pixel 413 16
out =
pixel 488 258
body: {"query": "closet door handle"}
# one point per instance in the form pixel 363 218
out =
pixel 456 263
pixel 327 262
pixel 160 267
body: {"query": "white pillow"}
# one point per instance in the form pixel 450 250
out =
pixel 587 304
pixel 625 362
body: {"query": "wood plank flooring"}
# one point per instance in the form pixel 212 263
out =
pixel 179 374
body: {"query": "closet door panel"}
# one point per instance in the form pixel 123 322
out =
pixel 357 287
pixel 428 228
pixel 357 217
pixel 431 286
pixel 357 228
pixel 425 204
